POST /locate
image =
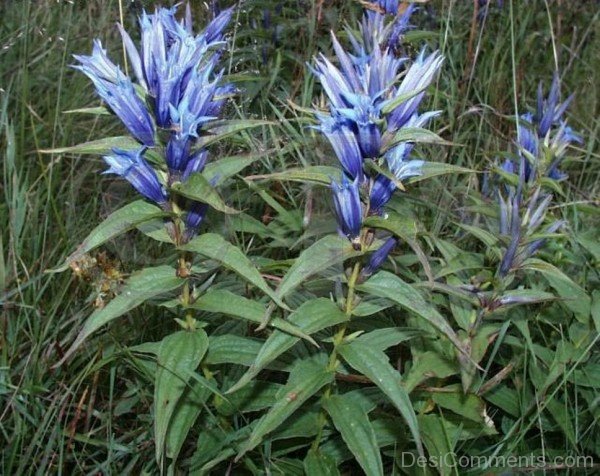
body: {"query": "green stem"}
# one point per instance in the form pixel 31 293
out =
pixel 338 339
pixel 190 322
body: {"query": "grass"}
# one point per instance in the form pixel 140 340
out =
pixel 94 414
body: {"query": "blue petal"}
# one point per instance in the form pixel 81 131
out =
pixel 346 199
pixel 132 166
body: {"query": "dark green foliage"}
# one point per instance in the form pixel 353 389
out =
pixel 282 375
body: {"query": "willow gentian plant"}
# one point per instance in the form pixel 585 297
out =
pixel 369 121
pixel 170 98
pixel 523 191
pixel 175 91
pixel 542 141
pixel 372 122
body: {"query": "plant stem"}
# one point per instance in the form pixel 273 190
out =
pixel 338 339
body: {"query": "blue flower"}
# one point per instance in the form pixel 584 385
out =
pixel 381 193
pixel 196 211
pixel 542 132
pixel 418 77
pixel 193 218
pixel 172 59
pixel 344 143
pixel 98 64
pixel 196 163
pixel 346 198
pixel 510 223
pixel 121 97
pixel 367 105
pixel 379 257
pixel 399 26
pixel 131 165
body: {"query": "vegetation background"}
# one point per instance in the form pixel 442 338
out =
pixel 93 415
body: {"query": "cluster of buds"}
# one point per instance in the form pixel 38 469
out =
pixel 175 91
pixel 542 140
pixel 368 106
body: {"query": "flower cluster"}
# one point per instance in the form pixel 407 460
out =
pixel 368 106
pixel 176 91
pixel 543 138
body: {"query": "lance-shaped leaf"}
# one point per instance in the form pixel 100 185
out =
pixel 374 364
pixel 215 247
pixel 222 169
pixel 140 287
pixel 317 174
pixel 310 317
pixel 94 111
pixel 198 188
pixel 97 147
pixel 226 302
pixel 381 339
pixel 393 103
pixel 118 222
pixel 433 169
pixel 328 251
pixel 390 286
pixel 352 422
pixel 186 413
pixel 573 295
pixel 412 134
pixel 178 356
pixel 306 379
pixel 319 464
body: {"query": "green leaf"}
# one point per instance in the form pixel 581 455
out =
pixel 220 170
pixel 433 169
pixel 94 111
pixel 412 134
pixel 390 286
pixel 317 174
pixel 488 239
pixel 374 364
pixel 254 397
pixel 428 365
pixel 226 302
pixel 245 223
pixel 140 287
pixel 232 349
pixel 357 432
pixel 302 424
pixel 215 247
pixel 595 309
pixel 118 222
pixel 178 356
pixel 306 379
pixel 573 295
pixel 526 296
pixel 436 436
pixel 382 339
pixel 310 317
pixel 467 405
pixel 222 129
pixel 328 251
pixel 392 104
pixel 186 413
pixel 198 188
pixel 319 464
pixel 97 147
